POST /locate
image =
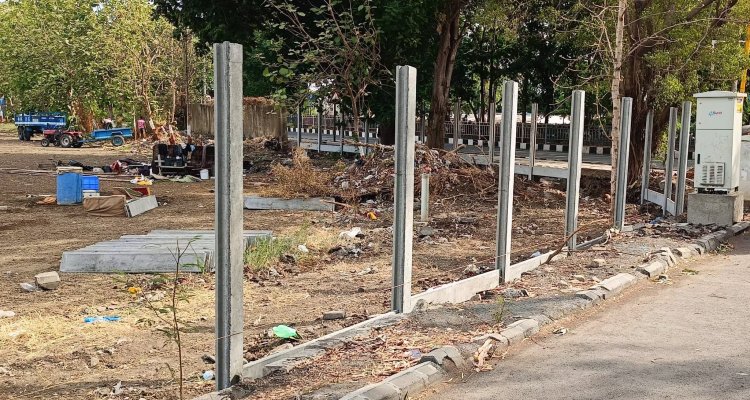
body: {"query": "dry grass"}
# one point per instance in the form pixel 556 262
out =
pixel 301 179
pixel 41 334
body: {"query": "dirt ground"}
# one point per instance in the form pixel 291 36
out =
pixel 47 350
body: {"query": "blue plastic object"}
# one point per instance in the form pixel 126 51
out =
pixel 90 183
pixel 69 188
pixel 106 134
pixel 108 318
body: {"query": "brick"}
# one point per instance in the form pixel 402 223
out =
pixel 48 280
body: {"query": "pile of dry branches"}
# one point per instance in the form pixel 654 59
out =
pixel 373 174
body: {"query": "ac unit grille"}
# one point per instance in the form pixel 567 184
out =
pixel 712 174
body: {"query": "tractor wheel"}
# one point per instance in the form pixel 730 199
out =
pixel 27 135
pixel 118 140
pixel 77 144
pixel 20 133
pixel 66 140
pixel 45 142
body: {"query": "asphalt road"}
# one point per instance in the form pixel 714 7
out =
pixel 684 341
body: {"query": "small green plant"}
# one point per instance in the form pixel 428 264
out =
pixel 499 312
pixel 266 251
pixel 165 307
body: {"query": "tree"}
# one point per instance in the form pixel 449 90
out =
pixel 113 59
pixel 666 52
pixel 450 32
pixel 337 53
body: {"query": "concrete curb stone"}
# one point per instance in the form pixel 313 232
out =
pixel 431 367
pixel 616 284
pixel 606 289
pixel 439 355
pixel 654 268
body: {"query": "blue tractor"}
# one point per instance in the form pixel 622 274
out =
pixel 36 123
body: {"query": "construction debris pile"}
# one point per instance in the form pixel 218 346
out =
pixel 371 176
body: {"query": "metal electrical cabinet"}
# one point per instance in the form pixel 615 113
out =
pixel 717 141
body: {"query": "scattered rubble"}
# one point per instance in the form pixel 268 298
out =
pixel 29 287
pixel 598 263
pixel 332 315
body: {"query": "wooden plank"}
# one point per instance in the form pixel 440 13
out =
pixel 274 203
pixel 140 206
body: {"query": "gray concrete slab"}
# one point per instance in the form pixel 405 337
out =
pixel 275 203
pixel 154 252
pixel 130 262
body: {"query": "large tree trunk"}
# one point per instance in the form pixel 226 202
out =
pixel 450 33
pixel 615 89
pixel 638 77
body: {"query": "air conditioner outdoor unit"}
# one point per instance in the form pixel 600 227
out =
pixel 717 141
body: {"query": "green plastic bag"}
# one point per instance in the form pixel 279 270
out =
pixel 285 332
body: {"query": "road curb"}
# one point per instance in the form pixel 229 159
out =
pixel 403 384
pixel 441 362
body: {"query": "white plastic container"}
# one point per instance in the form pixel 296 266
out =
pixel 204 174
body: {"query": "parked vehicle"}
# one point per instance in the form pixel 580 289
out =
pixel 67 138
pixel 36 123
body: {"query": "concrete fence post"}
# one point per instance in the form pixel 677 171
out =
pixel 669 161
pixel 575 155
pixel 422 124
pixel 687 116
pixel 319 128
pixel 492 137
pixel 299 125
pixel 622 162
pixel 343 131
pixel 403 213
pixel 229 207
pixel 366 125
pixel 532 138
pixel 335 119
pixel 456 123
pixel 425 195
pixel 505 178
pixel 647 155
